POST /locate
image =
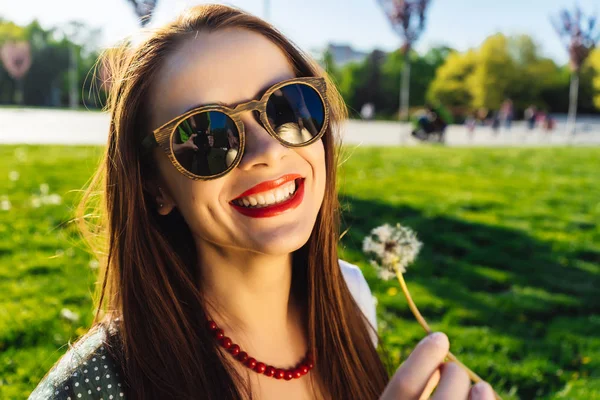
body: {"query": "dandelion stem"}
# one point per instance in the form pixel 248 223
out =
pixel 413 307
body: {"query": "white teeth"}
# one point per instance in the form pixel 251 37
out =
pixel 280 195
pixel 268 198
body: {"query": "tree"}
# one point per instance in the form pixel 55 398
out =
pixel 448 87
pixel 594 61
pixel 408 21
pixel 579 41
pixel 423 73
pixel 493 73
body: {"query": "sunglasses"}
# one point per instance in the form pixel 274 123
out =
pixel 208 142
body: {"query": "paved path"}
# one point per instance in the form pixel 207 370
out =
pixel 46 126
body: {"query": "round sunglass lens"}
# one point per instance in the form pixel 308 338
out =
pixel 206 143
pixel 296 113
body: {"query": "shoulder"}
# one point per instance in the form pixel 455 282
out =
pixel 358 286
pixel 86 371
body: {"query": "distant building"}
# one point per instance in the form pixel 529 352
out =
pixel 342 54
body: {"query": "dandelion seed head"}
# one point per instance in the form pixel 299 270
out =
pixel 392 249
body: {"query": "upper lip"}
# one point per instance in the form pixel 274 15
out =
pixel 269 185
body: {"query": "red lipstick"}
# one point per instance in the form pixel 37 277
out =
pixel 275 209
pixel 268 185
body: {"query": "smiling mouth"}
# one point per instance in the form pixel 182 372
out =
pixel 271 197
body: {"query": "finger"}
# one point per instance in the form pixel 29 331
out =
pixel 412 377
pixel 194 135
pixel 454 383
pixel 429 388
pixel 482 391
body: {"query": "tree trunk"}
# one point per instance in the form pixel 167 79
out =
pixel 405 88
pixel 573 94
pixel 73 84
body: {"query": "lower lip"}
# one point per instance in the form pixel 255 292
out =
pixel 275 209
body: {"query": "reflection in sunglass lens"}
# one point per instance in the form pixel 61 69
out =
pixel 296 113
pixel 207 143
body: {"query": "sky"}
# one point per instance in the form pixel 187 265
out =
pixel 461 24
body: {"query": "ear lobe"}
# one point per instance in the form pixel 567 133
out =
pixel 164 202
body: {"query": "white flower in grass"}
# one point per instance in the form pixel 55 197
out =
pixel 69 315
pixel 94 264
pixel 52 199
pixel 14 176
pixel 20 154
pixel 5 204
pixel 393 249
pixel 36 202
pixel 44 189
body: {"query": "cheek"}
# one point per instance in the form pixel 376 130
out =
pixel 198 201
pixel 315 156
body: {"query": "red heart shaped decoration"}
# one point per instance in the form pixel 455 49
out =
pixel 16 58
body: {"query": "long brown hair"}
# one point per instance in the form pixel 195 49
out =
pixel 148 280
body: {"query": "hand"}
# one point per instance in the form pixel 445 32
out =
pixel 425 369
pixel 190 142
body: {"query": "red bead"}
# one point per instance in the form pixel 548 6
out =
pixel 270 371
pixel 234 350
pixel 288 375
pixel 219 334
pixel 251 363
pixel 242 356
pixel 304 369
pixel 212 325
pixel 297 373
pixel 279 374
pixel 310 365
pixel 260 367
pixel 226 342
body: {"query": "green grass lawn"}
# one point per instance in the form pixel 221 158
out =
pixel 510 267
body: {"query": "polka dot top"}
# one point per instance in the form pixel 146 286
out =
pixel 88 371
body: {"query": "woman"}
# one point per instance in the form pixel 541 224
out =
pixel 228 286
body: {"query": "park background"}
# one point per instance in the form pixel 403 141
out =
pixel 510 267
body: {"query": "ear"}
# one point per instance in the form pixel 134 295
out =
pixel 164 202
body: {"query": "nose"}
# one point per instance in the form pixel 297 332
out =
pixel 262 150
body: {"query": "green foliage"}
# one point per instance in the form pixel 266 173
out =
pixel 508 67
pixel 510 267
pixel 377 80
pixel 494 70
pixel 449 87
pixel 594 62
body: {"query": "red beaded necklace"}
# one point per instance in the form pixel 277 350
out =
pixel 278 373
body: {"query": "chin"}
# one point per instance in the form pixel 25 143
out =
pixel 279 243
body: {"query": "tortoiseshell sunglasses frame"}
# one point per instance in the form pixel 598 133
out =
pixel 162 136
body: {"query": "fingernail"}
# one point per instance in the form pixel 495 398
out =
pixel 478 390
pixel 438 338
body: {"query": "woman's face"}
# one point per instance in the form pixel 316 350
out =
pixel 230 67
